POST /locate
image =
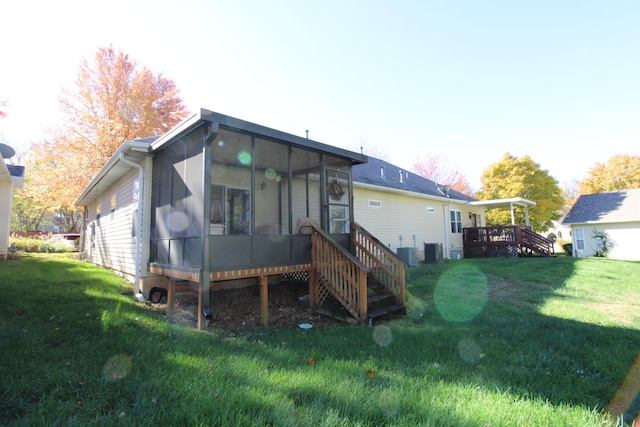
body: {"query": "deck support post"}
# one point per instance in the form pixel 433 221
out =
pixel 171 295
pixel 264 300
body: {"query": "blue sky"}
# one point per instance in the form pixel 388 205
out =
pixel 556 80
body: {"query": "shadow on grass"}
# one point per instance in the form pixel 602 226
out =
pixel 78 350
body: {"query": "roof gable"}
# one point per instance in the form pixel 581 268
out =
pixel 618 206
pixel 383 174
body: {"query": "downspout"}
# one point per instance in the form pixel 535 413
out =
pixel 447 230
pixel 138 260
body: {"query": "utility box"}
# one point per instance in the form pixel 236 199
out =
pixel 408 255
pixel 432 253
pixel 456 254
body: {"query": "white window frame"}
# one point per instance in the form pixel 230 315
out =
pixel 455 221
pixel 579 237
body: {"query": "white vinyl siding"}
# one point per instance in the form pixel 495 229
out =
pixel 398 215
pixel 623 236
pixel 112 245
pixel 6 194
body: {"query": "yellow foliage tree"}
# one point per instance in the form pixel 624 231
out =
pixel 620 172
pixel 521 177
pixel 113 100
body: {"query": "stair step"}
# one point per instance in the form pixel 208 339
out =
pixel 379 297
pixel 384 310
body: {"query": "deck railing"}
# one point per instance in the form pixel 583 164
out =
pixel 338 272
pixel 384 265
pixel 520 239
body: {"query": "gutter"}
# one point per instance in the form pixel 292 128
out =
pixel 138 260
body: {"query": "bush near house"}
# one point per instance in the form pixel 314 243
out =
pixel 45 242
pixel 568 249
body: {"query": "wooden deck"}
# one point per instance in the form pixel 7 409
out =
pixel 369 283
pixel 505 241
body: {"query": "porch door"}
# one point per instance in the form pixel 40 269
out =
pixel 338 198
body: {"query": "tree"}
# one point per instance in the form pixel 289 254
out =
pixel 113 100
pixel 620 172
pixel 521 177
pixel 3 105
pixel 371 150
pixel 438 168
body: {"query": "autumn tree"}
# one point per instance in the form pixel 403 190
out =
pixel 521 177
pixel 438 168
pixel 113 100
pixel 3 105
pixel 620 172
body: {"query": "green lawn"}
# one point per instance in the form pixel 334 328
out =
pixel 489 342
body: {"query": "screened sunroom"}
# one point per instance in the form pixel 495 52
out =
pixel 231 195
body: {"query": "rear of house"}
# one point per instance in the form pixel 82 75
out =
pixel 219 199
pixel 406 211
pixel 606 224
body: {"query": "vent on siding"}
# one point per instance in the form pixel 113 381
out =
pixel 375 204
pixel 430 209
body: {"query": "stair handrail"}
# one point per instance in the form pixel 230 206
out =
pixel 387 267
pixel 536 242
pixel 343 272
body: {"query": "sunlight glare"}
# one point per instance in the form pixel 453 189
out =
pixel 461 293
pixel 382 335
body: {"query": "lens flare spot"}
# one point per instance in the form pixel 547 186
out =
pixel 117 367
pixel 389 403
pixel 270 173
pixel 382 336
pixel 461 293
pixel 244 158
pixel 278 178
pixel 177 221
pixel 221 143
pixel 470 351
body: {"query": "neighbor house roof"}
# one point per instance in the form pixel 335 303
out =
pixel 618 206
pixel 380 173
pixel 12 172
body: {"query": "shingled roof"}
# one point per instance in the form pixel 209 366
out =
pixel 618 206
pixel 383 174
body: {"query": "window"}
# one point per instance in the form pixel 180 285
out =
pixel 98 213
pixel 580 239
pixel 456 222
pixel 338 195
pixel 375 203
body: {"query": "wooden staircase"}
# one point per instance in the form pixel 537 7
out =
pixel 369 283
pixel 381 302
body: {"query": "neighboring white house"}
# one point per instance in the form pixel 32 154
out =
pixel 404 210
pixel 11 177
pixel 612 216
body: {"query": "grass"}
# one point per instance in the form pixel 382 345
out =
pixel 489 342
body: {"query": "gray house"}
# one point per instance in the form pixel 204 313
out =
pixel 612 217
pixel 218 202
